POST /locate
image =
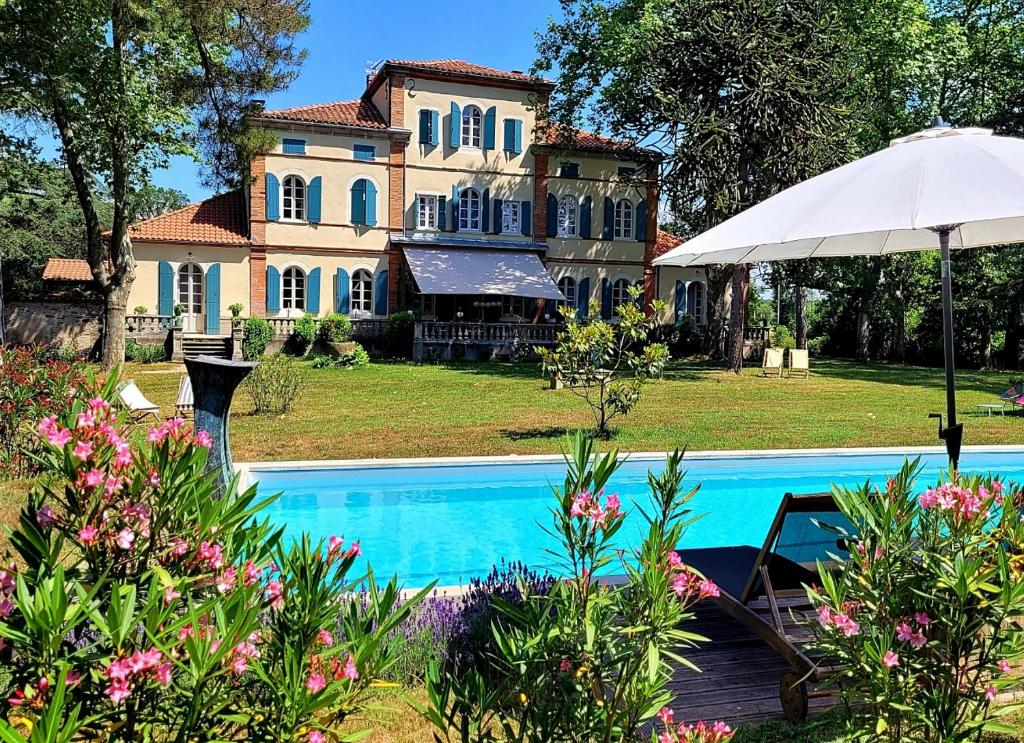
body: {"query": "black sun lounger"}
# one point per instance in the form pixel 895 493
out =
pixel 763 588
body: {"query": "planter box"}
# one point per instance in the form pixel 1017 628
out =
pixel 337 350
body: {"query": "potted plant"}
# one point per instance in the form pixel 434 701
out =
pixel 335 334
pixel 179 310
pixel 236 314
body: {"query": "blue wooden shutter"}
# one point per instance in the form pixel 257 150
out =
pixel 165 289
pixel 519 136
pixel 380 293
pixel 680 300
pixel 454 226
pixel 455 127
pixel 606 299
pixel 485 211
pixel 526 222
pixel 293 146
pixel 509 136
pixel 273 289
pixel 641 221
pixel 313 199
pixel 341 291
pixel 371 203
pixel 498 222
pixel 364 151
pixel 425 133
pixel 272 197
pixel 358 194
pixel 213 300
pixel 552 216
pixel 608 228
pixel 313 292
pixel 442 214
pixel 435 128
pixel 582 298
pixel 585 208
pixel 691 299
pixel 489 124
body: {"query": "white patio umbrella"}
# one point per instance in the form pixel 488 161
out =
pixel 939 188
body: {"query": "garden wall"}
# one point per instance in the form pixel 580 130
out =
pixel 76 324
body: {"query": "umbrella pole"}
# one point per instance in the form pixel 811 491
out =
pixel 952 434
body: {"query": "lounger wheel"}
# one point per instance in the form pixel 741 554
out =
pixel 793 696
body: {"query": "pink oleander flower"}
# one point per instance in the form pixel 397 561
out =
pixel 350 671
pixel 226 580
pixel 708 589
pixel 72 678
pixel 890 659
pixel 922 618
pixel 928 499
pixel 990 693
pixel 46 426
pixel 58 437
pixel 88 534
pixel 154 478
pixel 325 637
pixel 82 450
pixel 674 560
pixel 211 554
pixel 666 715
pixel 334 544
pixel 1004 666
pixel 355 550
pixel 846 625
pixel 118 691
pixel 274 593
pixel 111 486
pixel 315 683
pixel 565 666
pixel 903 632
pixel 824 615
pixel 178 547
pixel 98 403
pixel 252 574
pixel 86 419
pixel 315 736
pixel 123 458
pixel 44 516
pixel 203 439
pixel 170 595
pixel 125 538
pixel 918 640
pixel 157 434
pixel 163 674
pixel 93 478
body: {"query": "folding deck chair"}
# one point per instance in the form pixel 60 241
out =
pixel 131 399
pixel 186 401
pixel 799 362
pixel 763 589
pixel 1014 396
pixel 772 364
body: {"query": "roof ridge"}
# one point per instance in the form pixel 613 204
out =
pixel 360 99
pixel 172 212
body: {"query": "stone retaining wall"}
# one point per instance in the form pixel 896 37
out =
pixel 74 324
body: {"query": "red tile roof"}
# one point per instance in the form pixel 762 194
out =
pixel 665 242
pixel 66 269
pixel 591 142
pixel 460 68
pixel 358 113
pixel 218 220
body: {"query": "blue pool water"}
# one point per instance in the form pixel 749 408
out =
pixel 453 522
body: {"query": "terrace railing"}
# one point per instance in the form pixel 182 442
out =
pixel 140 325
pixel 485 332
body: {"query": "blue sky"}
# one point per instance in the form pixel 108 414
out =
pixel 343 38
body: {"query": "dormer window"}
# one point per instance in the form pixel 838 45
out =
pixel 471 118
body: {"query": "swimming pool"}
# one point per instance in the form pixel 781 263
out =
pixel 453 520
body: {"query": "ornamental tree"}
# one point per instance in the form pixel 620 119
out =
pixel 142 606
pixel 923 619
pixel 126 85
pixel 606 364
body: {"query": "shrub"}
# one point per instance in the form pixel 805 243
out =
pixel 274 384
pixel 398 333
pixel 334 328
pixel 816 345
pixel 144 353
pixel 141 310
pixel 923 616
pixel 782 337
pixel 34 381
pixel 255 338
pixel 304 333
pixel 586 661
pixel 356 357
pixel 166 612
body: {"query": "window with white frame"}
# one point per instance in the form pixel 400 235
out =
pixel 620 295
pixel 624 219
pixel 513 306
pixel 362 292
pixel 293 198
pixel 510 216
pixel 426 212
pixel 471 118
pixel 425 304
pixel 567 285
pixel 190 287
pixel 567 216
pixel 293 289
pixel 469 210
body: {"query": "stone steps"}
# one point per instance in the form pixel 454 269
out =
pixel 206 345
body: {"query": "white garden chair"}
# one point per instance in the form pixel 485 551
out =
pixel 131 399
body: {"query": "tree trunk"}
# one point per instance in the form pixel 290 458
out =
pixel 737 316
pixel 799 308
pixel 863 332
pixel 714 336
pixel 114 311
pixel 1011 348
pixel 900 345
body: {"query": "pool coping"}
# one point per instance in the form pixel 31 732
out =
pixel 245 469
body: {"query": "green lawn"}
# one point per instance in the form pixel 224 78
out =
pixel 405 410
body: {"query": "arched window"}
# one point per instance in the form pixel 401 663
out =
pixel 620 295
pixel 567 285
pixel 469 210
pixel 624 219
pixel 293 289
pixel 567 216
pixel 362 292
pixel 293 198
pixel 471 126
pixel 190 288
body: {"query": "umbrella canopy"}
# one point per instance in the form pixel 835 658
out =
pixel 940 188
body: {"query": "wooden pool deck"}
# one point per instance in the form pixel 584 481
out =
pixel 739 679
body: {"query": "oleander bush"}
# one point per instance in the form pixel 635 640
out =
pixel 923 617
pixel 144 353
pixel 34 381
pixel 274 385
pixel 586 661
pixel 145 605
pixel 255 338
